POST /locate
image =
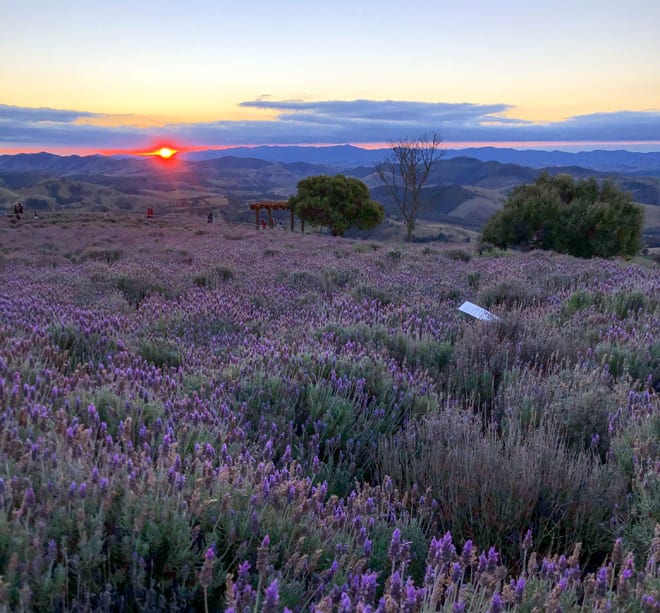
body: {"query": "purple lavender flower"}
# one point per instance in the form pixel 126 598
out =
pixel 548 568
pixel 51 553
pixel 396 587
pixel 206 574
pixel 467 553
pixel 262 556
pixel 628 570
pixel 367 547
pixel 602 581
pixel 493 559
pixel 244 571
pixel 413 597
pixel 271 598
pixel 518 589
pixel 482 563
pixel 496 604
pixel 180 481
pixel 456 572
pixel 447 549
pixel 29 497
pixel 368 585
pixel 395 546
pixel 345 604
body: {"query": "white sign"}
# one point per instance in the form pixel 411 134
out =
pixel 477 312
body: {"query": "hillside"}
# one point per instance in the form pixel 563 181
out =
pixel 461 190
pixel 193 414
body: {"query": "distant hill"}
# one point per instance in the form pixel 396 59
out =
pixel 336 155
pixel 49 163
pixel 620 161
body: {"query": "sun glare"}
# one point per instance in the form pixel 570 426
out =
pixel 165 152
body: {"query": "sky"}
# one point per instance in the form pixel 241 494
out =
pixel 85 76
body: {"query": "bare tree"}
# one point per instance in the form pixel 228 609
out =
pixel 405 171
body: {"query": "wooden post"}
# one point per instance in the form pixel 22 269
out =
pixel 293 228
pixel 302 226
pixel 256 217
pixel 270 218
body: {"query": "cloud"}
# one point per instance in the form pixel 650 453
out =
pixel 382 111
pixel 331 121
pixel 40 115
pixel 46 127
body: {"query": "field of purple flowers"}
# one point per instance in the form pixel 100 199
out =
pixel 224 419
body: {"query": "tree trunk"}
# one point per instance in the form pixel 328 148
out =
pixel 410 228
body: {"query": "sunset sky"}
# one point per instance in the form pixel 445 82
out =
pixel 84 76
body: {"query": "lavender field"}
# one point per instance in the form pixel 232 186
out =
pixel 217 418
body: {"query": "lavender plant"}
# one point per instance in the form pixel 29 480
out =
pixel 318 429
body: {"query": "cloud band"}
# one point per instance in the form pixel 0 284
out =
pixel 328 122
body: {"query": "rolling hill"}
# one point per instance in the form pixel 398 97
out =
pixel 461 190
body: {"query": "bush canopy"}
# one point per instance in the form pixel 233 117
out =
pixel 337 202
pixel 582 218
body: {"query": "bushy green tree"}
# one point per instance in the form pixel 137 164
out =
pixel 337 202
pixel 582 218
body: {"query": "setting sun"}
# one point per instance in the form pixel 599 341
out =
pixel 161 153
pixel 165 152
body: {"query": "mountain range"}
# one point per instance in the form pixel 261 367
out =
pixel 620 161
pixel 461 189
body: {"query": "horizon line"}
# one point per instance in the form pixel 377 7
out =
pixel 567 146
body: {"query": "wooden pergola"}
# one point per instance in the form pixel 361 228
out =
pixel 270 206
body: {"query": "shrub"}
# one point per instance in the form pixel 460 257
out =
pixel 369 292
pixel 201 280
pixel 136 289
pixel 459 255
pixel 577 301
pixel 335 277
pixel 474 279
pixel 394 254
pixel 161 353
pixel 224 273
pixel 642 364
pixel 511 293
pixel 109 256
pixel 490 484
pixel 624 304
pixel 581 218
pixel 81 347
pixel 579 400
